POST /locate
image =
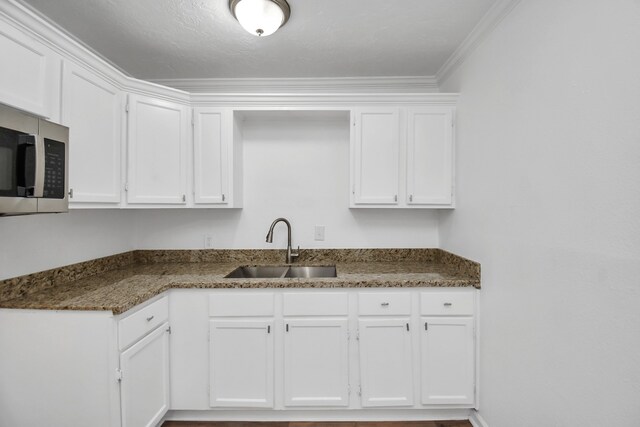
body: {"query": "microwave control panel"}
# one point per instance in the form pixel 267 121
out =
pixel 54 173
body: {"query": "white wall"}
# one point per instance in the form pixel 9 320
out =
pixel 549 202
pixel 33 243
pixel 295 167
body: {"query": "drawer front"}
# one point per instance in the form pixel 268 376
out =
pixel 382 304
pixel 140 323
pixel 241 304
pixel 315 304
pixel 447 303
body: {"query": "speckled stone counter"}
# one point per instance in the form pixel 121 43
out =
pixel 120 282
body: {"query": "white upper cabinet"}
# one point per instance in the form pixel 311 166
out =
pixel 157 146
pixel 93 109
pixel 402 157
pixel 429 156
pixel 213 145
pixel 375 156
pixel 29 75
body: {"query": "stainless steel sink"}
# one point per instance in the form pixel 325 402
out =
pixel 312 271
pixel 261 271
pixel 291 272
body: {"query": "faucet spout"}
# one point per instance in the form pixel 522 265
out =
pixel 269 239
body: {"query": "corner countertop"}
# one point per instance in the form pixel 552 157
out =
pixel 120 282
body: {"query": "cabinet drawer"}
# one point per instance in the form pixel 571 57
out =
pixel 316 304
pixel 381 304
pixel 137 325
pixel 446 303
pixel 241 304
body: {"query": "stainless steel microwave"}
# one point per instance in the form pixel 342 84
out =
pixel 34 160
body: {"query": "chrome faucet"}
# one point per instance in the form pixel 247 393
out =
pixel 290 253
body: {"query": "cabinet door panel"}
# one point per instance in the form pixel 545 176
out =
pixel 385 362
pixel 316 362
pixel 30 74
pixel 145 380
pixel 212 142
pixel 447 360
pixel 92 109
pixel 429 156
pixel 157 144
pixel 377 138
pixel 242 363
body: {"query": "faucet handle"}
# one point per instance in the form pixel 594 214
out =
pixel 296 254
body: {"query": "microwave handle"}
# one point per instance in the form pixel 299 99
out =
pixel 38 190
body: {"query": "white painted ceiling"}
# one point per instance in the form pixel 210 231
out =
pixel 165 39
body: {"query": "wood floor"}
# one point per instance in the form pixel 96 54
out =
pixel 460 423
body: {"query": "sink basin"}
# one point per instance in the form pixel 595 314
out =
pixel 313 271
pixel 261 271
pixel 271 272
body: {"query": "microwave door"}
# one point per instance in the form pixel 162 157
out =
pixel 8 163
pixel 15 175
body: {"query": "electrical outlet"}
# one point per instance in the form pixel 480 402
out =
pixel 319 233
pixel 208 241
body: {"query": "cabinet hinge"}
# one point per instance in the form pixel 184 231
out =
pixel 126 186
pixel 360 390
pixel 357 334
pixel 118 375
pixel 169 329
pixel 348 335
pixel 126 108
pixel 348 389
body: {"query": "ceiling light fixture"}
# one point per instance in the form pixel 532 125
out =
pixel 260 17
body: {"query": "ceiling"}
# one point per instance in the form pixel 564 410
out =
pixel 188 39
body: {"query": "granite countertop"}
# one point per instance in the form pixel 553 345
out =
pixel 120 282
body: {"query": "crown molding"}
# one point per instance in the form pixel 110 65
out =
pixel 487 24
pixel 400 84
pixel 276 101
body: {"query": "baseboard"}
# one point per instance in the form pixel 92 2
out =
pixel 322 415
pixel 476 420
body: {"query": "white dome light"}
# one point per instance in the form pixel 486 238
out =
pixel 260 17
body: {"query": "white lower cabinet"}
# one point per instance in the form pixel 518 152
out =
pixel 447 360
pixel 386 374
pixel 310 349
pixel 144 389
pixel 316 362
pixel 241 363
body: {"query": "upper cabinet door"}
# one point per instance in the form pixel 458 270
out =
pixel 430 156
pixel 93 110
pixel 29 75
pixel 375 156
pixel 157 137
pixel 212 145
